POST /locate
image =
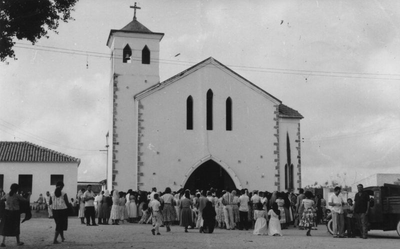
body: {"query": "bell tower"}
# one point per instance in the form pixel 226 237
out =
pixel 134 67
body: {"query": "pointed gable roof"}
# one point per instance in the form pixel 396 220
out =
pixel 136 26
pixel 198 66
pixel 284 111
pixel 29 152
pixel 287 112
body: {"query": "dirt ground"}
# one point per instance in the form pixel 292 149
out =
pixel 38 233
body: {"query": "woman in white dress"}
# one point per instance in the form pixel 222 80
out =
pixel 81 213
pixel 122 207
pixel 274 214
pixel 132 208
pixel 260 215
pixel 115 214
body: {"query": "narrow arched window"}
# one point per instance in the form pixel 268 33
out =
pixel 291 176
pixel 189 113
pixel 126 54
pixel 209 110
pixel 146 55
pixel 286 177
pixel 229 114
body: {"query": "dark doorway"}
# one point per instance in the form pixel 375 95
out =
pixel 210 175
pixel 25 183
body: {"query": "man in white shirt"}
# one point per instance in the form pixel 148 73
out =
pixel 90 213
pixel 337 201
pixel 244 210
pixel 255 199
pixel 227 200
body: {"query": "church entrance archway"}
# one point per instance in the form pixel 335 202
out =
pixel 209 175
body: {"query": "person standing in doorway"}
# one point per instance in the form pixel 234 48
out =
pixel 89 206
pixel 49 210
pixel 361 208
pixel 337 201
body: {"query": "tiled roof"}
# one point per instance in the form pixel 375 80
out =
pixel 287 112
pixel 28 152
pixel 136 26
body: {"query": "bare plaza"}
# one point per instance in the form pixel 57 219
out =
pixel 38 233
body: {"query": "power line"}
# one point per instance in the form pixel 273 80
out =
pixel 12 127
pixel 335 74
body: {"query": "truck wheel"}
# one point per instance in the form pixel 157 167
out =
pixel 398 228
pixel 329 226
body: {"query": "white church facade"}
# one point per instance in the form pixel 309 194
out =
pixel 204 127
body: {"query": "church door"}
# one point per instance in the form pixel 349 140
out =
pixel 210 175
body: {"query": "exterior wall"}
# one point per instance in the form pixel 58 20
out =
pixel 127 80
pixel 291 127
pixel 377 180
pixel 41 173
pixel 170 151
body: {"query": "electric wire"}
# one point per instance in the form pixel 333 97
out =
pixel 335 74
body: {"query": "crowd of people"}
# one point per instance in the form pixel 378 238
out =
pixel 264 212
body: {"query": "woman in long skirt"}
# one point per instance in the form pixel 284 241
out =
pixel 115 214
pixel 186 211
pixel 11 219
pixel 274 215
pixel 122 207
pixel 81 213
pixel 59 202
pixel 260 215
pixel 169 213
pixel 132 208
pixel 281 208
pixel 307 219
pixel 105 210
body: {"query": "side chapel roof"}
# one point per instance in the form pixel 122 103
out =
pixel 29 152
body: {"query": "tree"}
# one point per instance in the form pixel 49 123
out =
pixel 31 20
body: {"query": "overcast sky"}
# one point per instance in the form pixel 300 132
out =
pixel 336 62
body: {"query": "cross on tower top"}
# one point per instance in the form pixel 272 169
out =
pixel 134 13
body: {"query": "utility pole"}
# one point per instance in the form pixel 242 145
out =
pixel 106 150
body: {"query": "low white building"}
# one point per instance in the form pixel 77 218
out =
pixel 36 169
pixel 377 180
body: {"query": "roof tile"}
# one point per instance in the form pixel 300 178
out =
pixel 29 152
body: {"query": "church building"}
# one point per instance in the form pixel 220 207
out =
pixel 204 127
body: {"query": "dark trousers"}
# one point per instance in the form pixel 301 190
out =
pixel 244 220
pixel 362 222
pixel 90 213
pixel 350 226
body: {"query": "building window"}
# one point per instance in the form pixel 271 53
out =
pixel 189 113
pixel 146 55
pixel 2 182
pixel 56 178
pixel 229 114
pixel 291 174
pixel 209 110
pixel 25 183
pixel 289 170
pixel 126 55
pixel 286 177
